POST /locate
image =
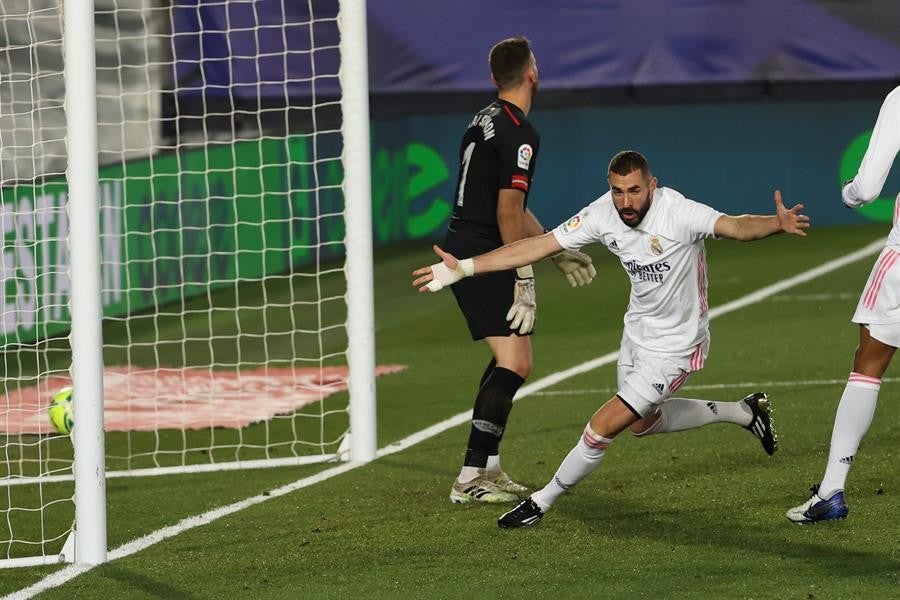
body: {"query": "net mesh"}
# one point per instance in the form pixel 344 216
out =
pixel 221 217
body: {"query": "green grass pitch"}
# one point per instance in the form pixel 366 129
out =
pixel 697 514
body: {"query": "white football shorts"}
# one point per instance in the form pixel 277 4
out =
pixel 879 305
pixel 646 379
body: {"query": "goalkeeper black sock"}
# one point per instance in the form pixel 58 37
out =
pixel 492 406
pixel 487 372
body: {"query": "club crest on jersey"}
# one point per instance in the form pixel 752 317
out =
pixel 525 153
pixel 572 224
pixel 655 245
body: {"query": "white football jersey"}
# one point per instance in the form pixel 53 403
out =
pixel 665 259
pixel 879 305
pixel 876 164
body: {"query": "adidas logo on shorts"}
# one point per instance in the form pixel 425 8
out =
pixel 659 387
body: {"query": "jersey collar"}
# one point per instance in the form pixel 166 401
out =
pixel 517 112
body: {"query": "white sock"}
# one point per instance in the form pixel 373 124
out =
pixel 493 465
pixel 679 414
pixel 578 464
pixel 467 474
pixel 854 415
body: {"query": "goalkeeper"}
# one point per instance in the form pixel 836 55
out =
pixel 497 156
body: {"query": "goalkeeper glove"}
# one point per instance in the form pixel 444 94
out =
pixel 523 311
pixel 444 276
pixel 576 266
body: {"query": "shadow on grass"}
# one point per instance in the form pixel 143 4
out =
pixel 143 584
pixel 734 536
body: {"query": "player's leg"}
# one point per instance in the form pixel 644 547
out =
pixel 637 397
pixel 753 413
pixel 512 357
pixel 487 371
pixel 611 419
pixel 678 414
pixel 856 408
pixel 854 415
pixel 877 313
pixel 482 302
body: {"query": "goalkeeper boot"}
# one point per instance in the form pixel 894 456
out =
pixel 480 489
pixel 505 483
pixel 761 425
pixel 818 509
pixel 526 514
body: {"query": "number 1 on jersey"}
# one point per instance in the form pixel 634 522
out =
pixel 467 156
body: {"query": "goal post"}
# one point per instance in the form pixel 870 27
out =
pixel 210 242
pixel 86 306
pixel 358 194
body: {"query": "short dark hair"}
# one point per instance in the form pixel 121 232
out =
pixel 509 59
pixel 627 161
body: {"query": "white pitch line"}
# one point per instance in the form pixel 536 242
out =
pixel 750 385
pixel 815 297
pixel 71 571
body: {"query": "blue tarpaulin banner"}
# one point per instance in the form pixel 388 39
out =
pixel 263 48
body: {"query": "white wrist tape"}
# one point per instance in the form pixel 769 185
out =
pixel 525 272
pixel 444 277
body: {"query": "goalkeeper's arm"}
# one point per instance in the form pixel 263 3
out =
pixel 512 256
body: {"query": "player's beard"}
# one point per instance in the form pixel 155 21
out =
pixel 638 215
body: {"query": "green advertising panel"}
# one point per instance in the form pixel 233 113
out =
pixel 178 225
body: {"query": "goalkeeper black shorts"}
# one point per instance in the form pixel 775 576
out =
pixel 485 299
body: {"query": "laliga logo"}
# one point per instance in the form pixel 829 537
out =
pixel 881 209
pixel 572 224
pixel 525 153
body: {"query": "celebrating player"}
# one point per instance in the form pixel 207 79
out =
pixel 658 236
pixel 878 315
pixel 498 155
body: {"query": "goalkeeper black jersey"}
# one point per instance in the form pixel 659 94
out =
pixel 498 151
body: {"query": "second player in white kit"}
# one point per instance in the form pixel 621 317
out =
pixel 658 235
pixel 879 304
pixel 878 316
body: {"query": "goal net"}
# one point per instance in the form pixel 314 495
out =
pixel 223 173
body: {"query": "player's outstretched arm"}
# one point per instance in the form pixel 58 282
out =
pixel 512 256
pixel 575 265
pixel 755 227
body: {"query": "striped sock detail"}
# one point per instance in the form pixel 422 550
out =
pixel 594 441
pixel 864 381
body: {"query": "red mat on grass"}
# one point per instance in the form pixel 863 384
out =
pixel 149 399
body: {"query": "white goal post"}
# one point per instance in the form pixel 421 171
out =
pixel 358 193
pixel 86 306
pixel 187 243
